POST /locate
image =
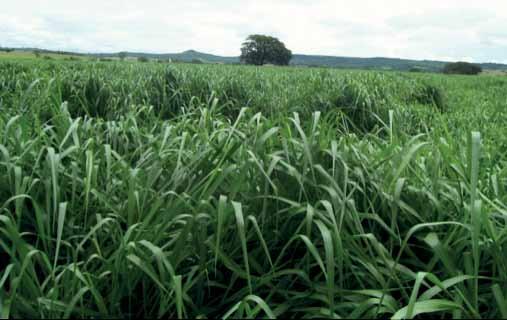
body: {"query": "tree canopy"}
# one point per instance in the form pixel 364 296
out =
pixel 261 49
pixel 462 68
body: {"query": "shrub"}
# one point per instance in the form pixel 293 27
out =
pixel 462 68
pixel 416 69
pixel 142 59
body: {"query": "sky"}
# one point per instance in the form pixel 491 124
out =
pixel 449 30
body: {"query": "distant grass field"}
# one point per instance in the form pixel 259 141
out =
pixel 27 55
pixel 155 190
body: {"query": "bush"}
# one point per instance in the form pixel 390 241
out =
pixel 142 59
pixel 416 69
pixel 462 68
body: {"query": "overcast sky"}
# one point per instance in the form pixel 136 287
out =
pixel 468 30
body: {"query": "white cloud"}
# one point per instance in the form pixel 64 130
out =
pixel 419 29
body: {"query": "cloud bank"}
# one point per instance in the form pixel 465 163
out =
pixel 429 29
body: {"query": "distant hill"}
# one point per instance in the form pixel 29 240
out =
pixel 377 63
pixel 367 63
pixel 319 61
pixel 380 63
pixel 187 56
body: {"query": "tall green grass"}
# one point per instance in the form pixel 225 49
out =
pixel 238 192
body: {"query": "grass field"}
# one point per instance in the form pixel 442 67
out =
pixel 27 55
pixel 132 189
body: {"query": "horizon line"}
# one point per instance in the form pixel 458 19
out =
pixel 82 52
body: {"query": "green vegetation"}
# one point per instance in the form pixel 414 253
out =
pixel 31 55
pixel 297 60
pixel 462 68
pixel 142 189
pixel 260 49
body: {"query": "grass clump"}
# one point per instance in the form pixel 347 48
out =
pixel 95 98
pixel 429 95
pixel 164 94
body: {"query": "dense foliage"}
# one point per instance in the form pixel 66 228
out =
pixel 260 49
pixel 138 189
pixel 462 68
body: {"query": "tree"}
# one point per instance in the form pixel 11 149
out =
pixel 142 59
pixel 462 68
pixel 260 49
pixel 122 55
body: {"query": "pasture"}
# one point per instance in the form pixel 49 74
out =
pixel 156 190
